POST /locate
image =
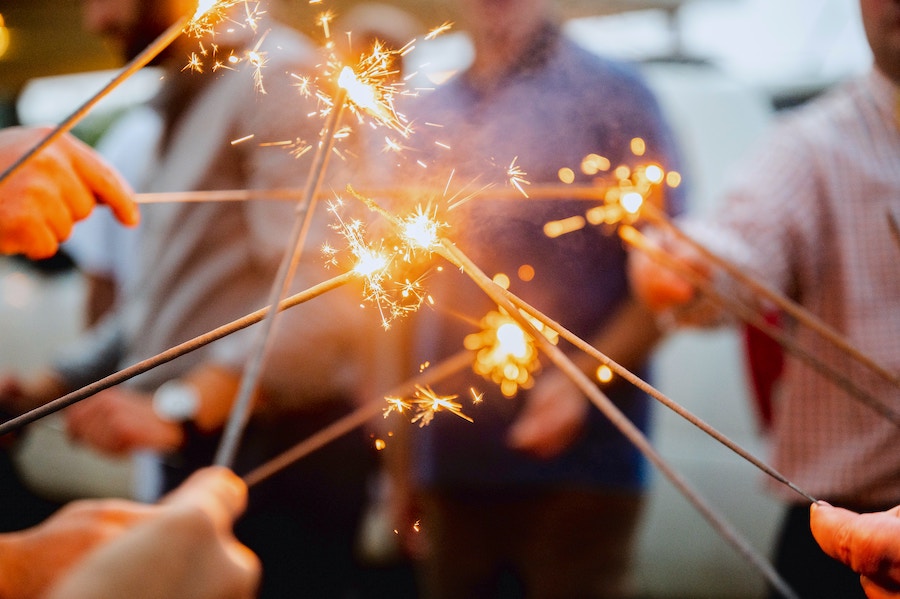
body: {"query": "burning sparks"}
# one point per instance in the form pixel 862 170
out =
pixel 209 15
pixel 505 354
pixel 370 84
pixel 424 404
pixel 394 294
pixel 516 176
pixel 622 199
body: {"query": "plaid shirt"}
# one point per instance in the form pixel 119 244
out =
pixel 811 210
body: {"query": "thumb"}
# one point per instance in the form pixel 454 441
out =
pixel 215 490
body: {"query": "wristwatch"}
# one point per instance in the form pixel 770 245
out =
pixel 175 401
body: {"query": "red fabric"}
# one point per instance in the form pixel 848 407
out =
pixel 765 362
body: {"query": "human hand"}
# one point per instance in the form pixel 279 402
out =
pixel 119 420
pixel 35 558
pixel 18 394
pixel 60 185
pixel 868 543
pixel 552 418
pixel 656 285
pixel 184 548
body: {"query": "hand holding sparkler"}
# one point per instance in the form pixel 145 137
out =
pixel 120 420
pixel 552 418
pixel 660 288
pixel 868 543
pixel 182 547
pixel 42 201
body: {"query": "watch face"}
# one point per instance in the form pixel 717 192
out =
pixel 175 402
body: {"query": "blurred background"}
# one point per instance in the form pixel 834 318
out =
pixel 722 69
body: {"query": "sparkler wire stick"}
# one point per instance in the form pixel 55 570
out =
pixel 653 392
pixel 634 238
pixel 802 315
pixel 354 419
pixel 548 192
pixel 136 64
pixel 240 411
pixel 640 441
pixel 170 354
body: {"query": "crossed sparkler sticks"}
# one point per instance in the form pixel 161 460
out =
pixel 622 211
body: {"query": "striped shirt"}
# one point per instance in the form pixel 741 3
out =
pixel 812 210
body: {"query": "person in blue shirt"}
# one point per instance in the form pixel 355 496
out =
pixel 540 495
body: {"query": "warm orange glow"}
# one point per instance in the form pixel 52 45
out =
pixel 566 175
pixel 593 164
pixel 638 146
pixel 673 179
pixel 203 7
pixel 501 280
pixel 504 353
pixel 556 228
pixel 526 272
pixel 4 37
pixel 604 373
pixel 654 174
pixel 632 202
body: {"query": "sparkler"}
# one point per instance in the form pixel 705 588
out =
pixel 355 419
pixel 625 426
pixel 392 297
pixel 647 388
pixel 206 12
pixel 362 95
pixel 636 239
pixel 803 316
pixel 499 295
pixel 504 353
pixel 240 411
pixel 170 354
pixel 591 193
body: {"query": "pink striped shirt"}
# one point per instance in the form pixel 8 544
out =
pixel 811 206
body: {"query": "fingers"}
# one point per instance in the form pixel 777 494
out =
pixel 656 285
pixel 217 491
pixel 24 230
pixel 118 420
pixel 553 417
pixel 58 186
pixel 105 183
pixel 245 572
pixel 868 543
pixel 873 590
pixel 831 527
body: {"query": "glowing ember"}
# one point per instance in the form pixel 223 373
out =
pixel 425 403
pixel 203 7
pixel 505 354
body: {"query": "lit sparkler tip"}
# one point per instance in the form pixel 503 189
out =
pixel 632 202
pixel 203 7
pixel 421 231
pixel 370 262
